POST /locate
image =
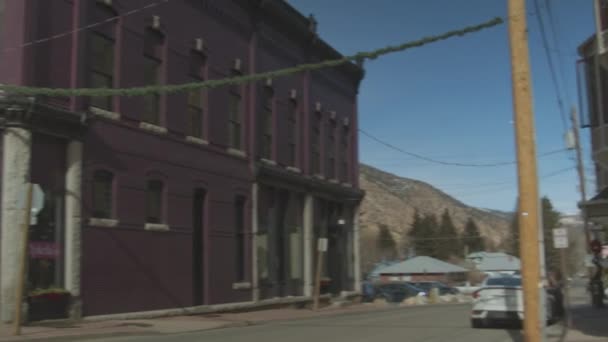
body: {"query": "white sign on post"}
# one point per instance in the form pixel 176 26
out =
pixel 322 245
pixel 560 238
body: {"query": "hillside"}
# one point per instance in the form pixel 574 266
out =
pixel 392 200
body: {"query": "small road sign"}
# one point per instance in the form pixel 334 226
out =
pixel 560 238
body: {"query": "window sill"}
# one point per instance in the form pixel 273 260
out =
pixel 236 153
pixel 348 185
pixel 318 176
pixel 333 180
pixel 268 161
pixel 152 128
pixel 241 286
pixel 156 227
pixel 294 169
pixel 104 113
pixel 99 222
pixel 196 140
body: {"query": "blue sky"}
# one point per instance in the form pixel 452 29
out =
pixel 452 100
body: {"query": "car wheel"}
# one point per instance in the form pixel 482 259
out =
pixel 477 323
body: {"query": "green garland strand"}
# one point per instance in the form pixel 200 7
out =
pixel 210 84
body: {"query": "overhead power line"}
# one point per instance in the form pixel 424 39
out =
pixel 209 84
pixel 558 93
pixel 511 186
pixel 447 163
pixel 83 28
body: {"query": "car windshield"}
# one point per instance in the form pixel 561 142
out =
pixel 507 281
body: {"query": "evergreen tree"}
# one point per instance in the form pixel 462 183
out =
pixel 428 235
pixel 550 219
pixel 472 237
pixel 514 241
pixel 414 233
pixel 386 242
pixel 423 233
pixel 447 242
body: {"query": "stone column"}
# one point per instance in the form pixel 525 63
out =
pixel 16 158
pixel 73 222
pixel 356 249
pixel 308 244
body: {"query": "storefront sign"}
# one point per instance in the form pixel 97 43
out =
pixel 44 250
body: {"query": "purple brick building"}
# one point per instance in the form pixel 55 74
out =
pixel 183 200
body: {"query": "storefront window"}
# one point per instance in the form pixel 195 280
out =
pixel 45 244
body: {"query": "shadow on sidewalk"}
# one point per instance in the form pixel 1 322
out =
pixel 590 321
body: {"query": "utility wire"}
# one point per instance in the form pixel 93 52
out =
pixel 90 26
pixel 551 66
pixel 447 163
pixel 553 26
pixel 210 84
pixel 510 186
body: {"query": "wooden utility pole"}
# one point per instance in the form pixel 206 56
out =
pixel 25 227
pixel 526 166
pixel 581 172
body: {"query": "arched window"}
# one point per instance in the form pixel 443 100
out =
pixel 196 113
pixel 266 123
pixel 101 47
pixel 154 201
pixel 152 64
pixel 103 182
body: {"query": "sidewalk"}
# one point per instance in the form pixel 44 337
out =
pixel 588 324
pixel 66 331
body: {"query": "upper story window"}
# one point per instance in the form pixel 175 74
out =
pixel 235 120
pixel 154 201
pixel 196 98
pixel 103 182
pixel 316 144
pixel 101 54
pixel 292 129
pixel 239 212
pixel 331 149
pixel 344 153
pixel 153 66
pixel 266 123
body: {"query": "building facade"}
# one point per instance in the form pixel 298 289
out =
pixel 592 72
pixel 176 200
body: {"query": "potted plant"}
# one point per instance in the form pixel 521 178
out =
pixel 50 303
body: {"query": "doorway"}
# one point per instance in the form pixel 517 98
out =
pixel 198 239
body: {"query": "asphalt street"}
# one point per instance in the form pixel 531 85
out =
pixel 413 324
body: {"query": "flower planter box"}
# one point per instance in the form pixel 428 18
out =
pixel 48 306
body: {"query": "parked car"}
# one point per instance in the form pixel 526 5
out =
pixel 427 286
pixel 397 292
pixel 500 299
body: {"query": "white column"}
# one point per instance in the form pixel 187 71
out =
pixel 308 244
pixel 255 276
pixel 356 249
pixel 15 174
pixel 73 219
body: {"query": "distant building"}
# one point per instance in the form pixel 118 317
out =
pixel 495 262
pixel 592 70
pixel 423 268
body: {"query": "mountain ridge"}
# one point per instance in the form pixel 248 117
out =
pixel 391 201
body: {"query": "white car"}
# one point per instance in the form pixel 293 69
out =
pixel 500 299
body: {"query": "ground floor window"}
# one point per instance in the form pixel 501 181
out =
pixel 45 268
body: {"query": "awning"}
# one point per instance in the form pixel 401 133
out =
pixel 597 207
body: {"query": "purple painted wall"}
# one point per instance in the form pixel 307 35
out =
pixel 153 270
pixel 127 268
